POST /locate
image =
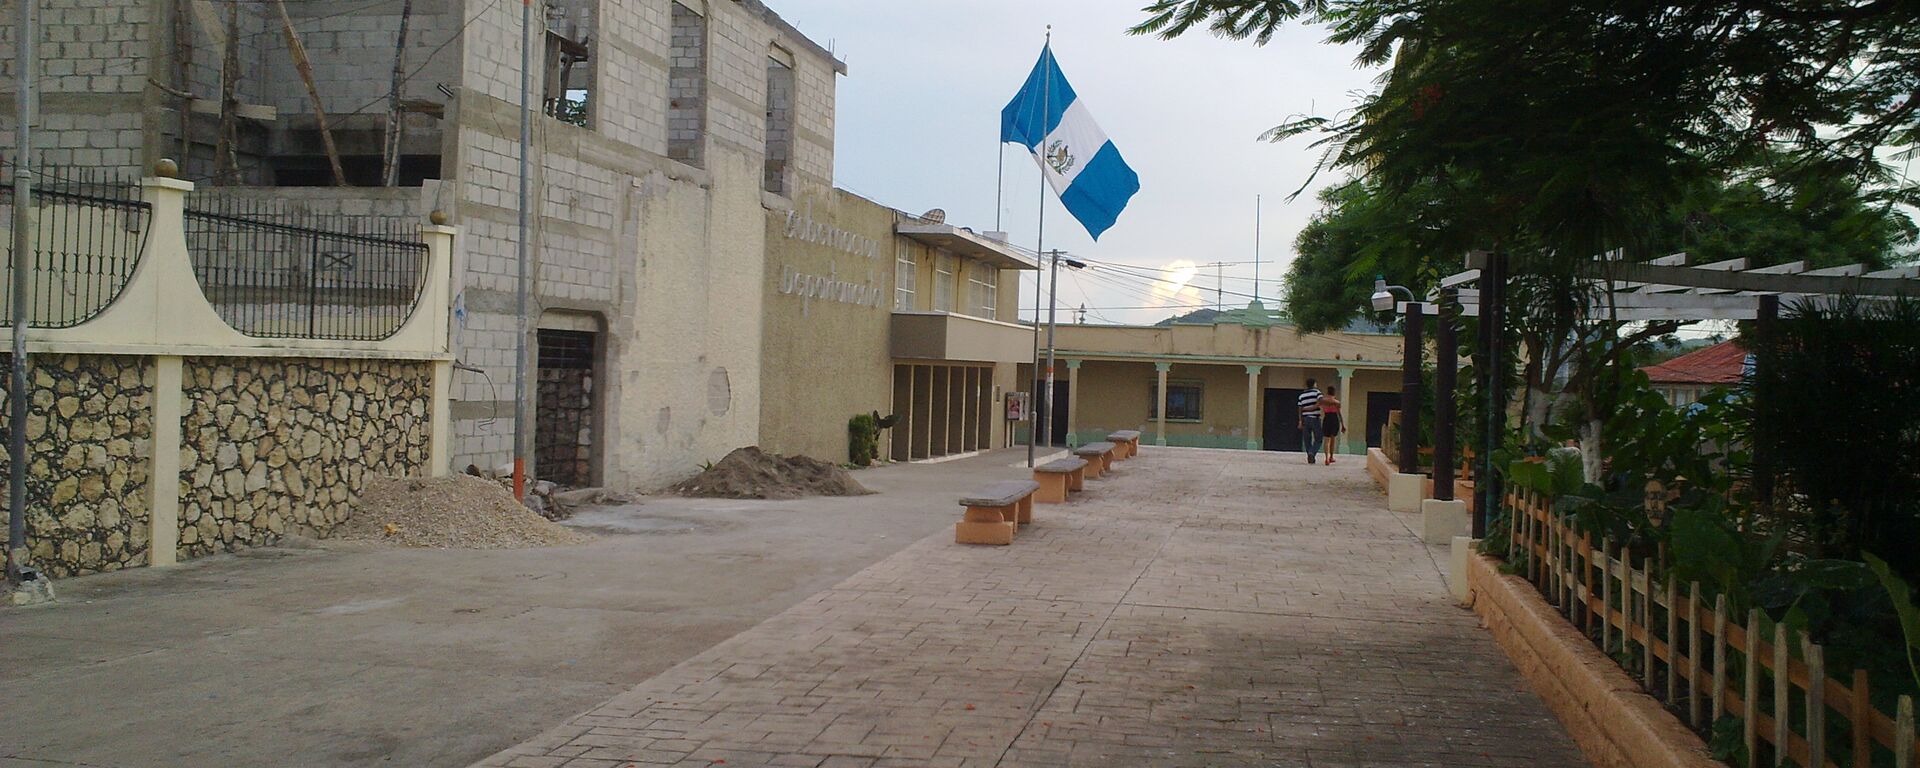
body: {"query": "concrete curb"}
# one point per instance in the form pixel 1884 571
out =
pixel 1613 721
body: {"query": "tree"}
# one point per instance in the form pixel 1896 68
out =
pixel 1555 132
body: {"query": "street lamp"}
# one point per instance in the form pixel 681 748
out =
pixel 1383 294
pixel 1410 394
pixel 1046 425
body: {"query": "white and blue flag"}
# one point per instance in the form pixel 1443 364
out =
pixel 1083 167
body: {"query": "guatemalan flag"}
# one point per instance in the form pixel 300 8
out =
pixel 1085 169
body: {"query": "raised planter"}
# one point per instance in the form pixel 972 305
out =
pixel 1613 721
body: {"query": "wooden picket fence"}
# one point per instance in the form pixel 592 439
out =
pixel 1696 641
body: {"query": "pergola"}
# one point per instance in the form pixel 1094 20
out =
pixel 1663 289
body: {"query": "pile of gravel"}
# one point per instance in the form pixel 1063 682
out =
pixel 454 512
pixel 750 473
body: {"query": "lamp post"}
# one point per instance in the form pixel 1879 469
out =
pixel 1053 286
pixel 1445 371
pixel 1409 458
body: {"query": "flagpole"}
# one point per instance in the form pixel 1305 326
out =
pixel 1040 236
pixel 999 184
pixel 1256 247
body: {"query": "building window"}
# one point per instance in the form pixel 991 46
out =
pixel 779 120
pixel 943 281
pixel 567 82
pixel 904 278
pixel 687 87
pixel 1183 401
pixel 983 283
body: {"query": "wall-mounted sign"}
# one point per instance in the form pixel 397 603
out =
pixel 1017 406
pixel 801 226
pixel 829 287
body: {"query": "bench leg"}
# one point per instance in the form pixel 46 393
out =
pixel 1026 510
pixel 1053 487
pixel 986 525
pixel 1093 469
pixel 1077 480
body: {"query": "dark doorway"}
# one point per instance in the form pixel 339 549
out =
pixel 563 418
pixel 1281 414
pixel 1058 421
pixel 1378 404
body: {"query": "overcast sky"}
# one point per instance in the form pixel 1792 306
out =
pixel 919 119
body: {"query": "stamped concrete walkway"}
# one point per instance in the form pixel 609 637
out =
pixel 1199 608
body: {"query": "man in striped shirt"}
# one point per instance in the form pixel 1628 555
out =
pixel 1310 420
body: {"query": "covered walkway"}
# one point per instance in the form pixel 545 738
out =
pixel 1202 607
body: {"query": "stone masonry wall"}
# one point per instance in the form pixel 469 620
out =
pixel 278 445
pixel 90 439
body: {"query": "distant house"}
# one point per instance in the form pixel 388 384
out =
pixel 1684 379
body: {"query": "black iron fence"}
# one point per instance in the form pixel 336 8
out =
pixel 89 227
pixel 274 271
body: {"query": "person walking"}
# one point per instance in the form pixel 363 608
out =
pixel 1310 420
pixel 1331 425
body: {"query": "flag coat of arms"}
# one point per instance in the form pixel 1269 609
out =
pixel 1079 162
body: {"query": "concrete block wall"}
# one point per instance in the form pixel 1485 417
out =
pixel 687 86
pixel 669 258
pixel 352 54
pixel 93 71
pixel 780 126
pixel 632 94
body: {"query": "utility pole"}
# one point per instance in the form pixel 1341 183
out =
pixel 1046 411
pixel 25 73
pixel 1219 282
pixel 520 283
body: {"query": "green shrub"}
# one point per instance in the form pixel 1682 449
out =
pixel 863 437
pixel 863 440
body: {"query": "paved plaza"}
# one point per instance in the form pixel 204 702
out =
pixel 1196 608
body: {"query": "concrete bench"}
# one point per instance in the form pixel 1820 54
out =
pixel 1099 458
pixel 1129 442
pixel 995 512
pixel 1057 478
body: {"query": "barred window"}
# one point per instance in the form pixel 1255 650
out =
pixel 1183 401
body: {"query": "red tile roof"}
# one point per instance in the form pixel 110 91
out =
pixel 1719 364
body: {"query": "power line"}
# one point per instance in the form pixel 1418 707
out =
pixel 1120 273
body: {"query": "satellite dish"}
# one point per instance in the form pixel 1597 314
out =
pixel 935 216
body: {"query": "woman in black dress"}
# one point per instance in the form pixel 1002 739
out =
pixel 1331 424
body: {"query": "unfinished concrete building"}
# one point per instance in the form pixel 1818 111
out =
pixel 667 132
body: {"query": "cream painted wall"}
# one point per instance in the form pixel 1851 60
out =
pixel 686 361
pixel 825 359
pixel 1114 395
pixel 1277 342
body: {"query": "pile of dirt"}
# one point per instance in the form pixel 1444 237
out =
pixel 455 512
pixel 750 473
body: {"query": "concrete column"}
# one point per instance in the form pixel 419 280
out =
pixel 1073 401
pixel 1160 435
pixel 1346 409
pixel 439 459
pixel 1253 407
pixel 163 519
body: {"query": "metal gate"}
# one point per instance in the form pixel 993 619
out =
pixel 563 418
